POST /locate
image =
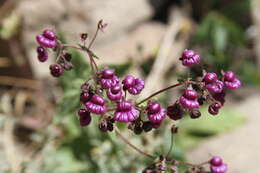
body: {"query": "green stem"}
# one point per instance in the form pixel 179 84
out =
pixel 171 146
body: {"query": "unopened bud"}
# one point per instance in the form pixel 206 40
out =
pixel 195 114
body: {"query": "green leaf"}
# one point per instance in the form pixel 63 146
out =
pixel 194 131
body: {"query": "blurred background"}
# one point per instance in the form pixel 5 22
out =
pixel 39 129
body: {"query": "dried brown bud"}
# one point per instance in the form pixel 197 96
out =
pixel 102 25
pixel 147 126
pixel 84 36
pixel 195 114
pixel 67 56
pixel 174 129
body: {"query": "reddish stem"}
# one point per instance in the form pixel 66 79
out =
pixel 158 92
pixel 133 146
pixel 88 51
pixel 93 39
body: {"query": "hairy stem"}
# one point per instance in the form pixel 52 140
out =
pixel 158 92
pixel 133 146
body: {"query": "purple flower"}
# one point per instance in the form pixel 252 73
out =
pixel 210 77
pixel 214 108
pixel 189 58
pixel 96 105
pixel 115 93
pixel 155 113
pixel 128 82
pixel 49 34
pixel 231 81
pixel 56 70
pixel 42 54
pixel 219 169
pixel 217 165
pixel 220 97
pixel 108 78
pixel 133 85
pixel 85 96
pixel 189 99
pixel 48 39
pixel 216 161
pixel 215 87
pixel 125 112
pixel 175 112
pixel 84 117
pixel 212 84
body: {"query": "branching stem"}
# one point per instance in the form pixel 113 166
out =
pixel 89 53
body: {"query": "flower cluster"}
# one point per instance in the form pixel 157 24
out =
pixel 113 105
pixel 106 95
pixel 48 39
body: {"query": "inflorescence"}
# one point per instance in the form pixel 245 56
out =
pixel 104 94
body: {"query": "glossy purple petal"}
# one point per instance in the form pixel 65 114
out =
pixel 96 105
pixel 188 104
pixel 107 73
pixel 157 117
pixel 229 76
pixel 216 161
pixel 108 78
pixel 190 57
pixel 129 81
pixel 190 94
pixel 108 83
pixel 125 112
pixel 50 34
pixel 114 96
pixel 210 77
pixel 45 42
pixel 215 87
pixel 136 88
pixel 219 169
pixel 235 84
pixel 153 107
